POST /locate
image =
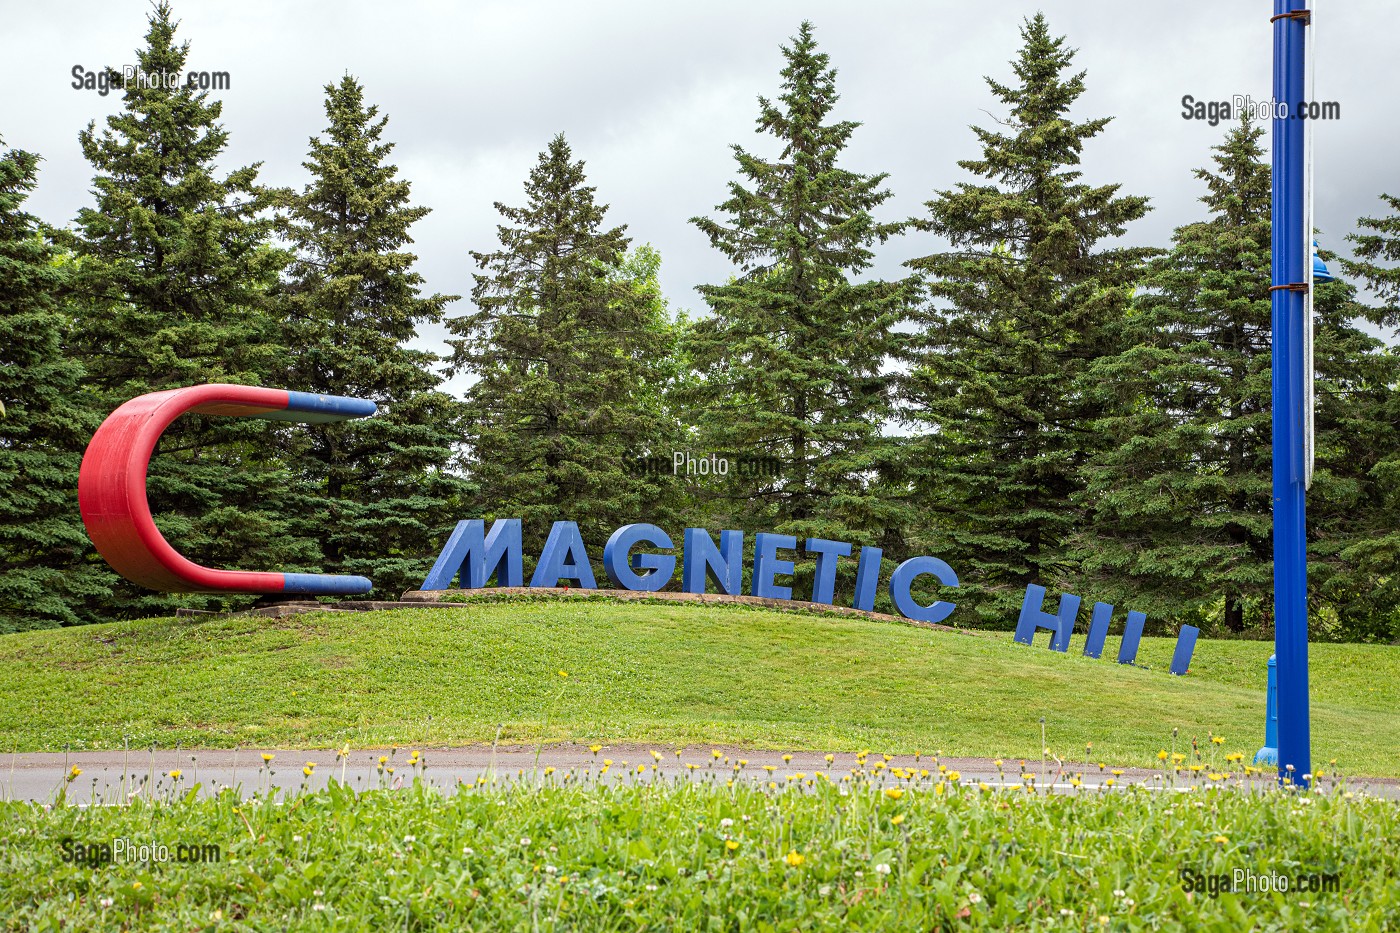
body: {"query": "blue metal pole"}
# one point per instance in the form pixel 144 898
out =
pixel 1290 543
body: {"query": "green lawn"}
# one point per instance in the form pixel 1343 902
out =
pixel 891 854
pixel 664 673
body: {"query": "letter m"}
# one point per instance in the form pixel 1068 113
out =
pixel 482 553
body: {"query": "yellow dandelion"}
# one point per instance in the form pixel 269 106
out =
pixel 794 858
pixel 894 793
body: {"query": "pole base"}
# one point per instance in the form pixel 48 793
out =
pixel 1266 756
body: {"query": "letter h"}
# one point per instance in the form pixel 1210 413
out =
pixel 1033 618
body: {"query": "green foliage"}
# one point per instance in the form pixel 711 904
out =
pixel 1378 261
pixel 1000 369
pixel 789 365
pixel 43 426
pixel 173 273
pixel 1181 496
pixel 381 495
pixel 571 345
pixel 589 854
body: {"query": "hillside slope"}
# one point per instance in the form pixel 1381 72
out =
pixel 660 673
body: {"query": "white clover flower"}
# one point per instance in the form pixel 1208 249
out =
pixel 974 898
pixel 105 902
pixel 1119 892
pixel 410 840
pixel 651 887
pixel 524 840
pixel 882 869
pixel 550 869
pixel 726 823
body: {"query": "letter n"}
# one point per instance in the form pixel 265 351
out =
pixel 702 561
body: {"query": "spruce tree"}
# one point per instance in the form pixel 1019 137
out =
pixel 383 495
pixel 1377 262
pixel 1026 301
pixel 569 344
pixel 175 269
pixel 789 365
pixel 1182 495
pixel 44 579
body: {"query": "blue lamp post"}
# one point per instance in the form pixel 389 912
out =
pixel 1289 284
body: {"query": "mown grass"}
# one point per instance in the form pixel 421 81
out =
pixel 663 673
pixel 895 853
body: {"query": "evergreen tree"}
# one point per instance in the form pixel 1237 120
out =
pixel 789 365
pixel 569 343
pixel 1024 304
pixel 43 427
pixel 1182 496
pixel 1378 261
pixel 175 268
pixel 383 496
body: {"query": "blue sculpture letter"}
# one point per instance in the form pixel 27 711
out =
pixel 485 553
pixel 622 574
pixel 564 557
pixel 1033 617
pixel 904 575
pixel 703 559
pixel 766 565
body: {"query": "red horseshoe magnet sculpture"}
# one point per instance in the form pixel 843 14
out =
pixel 112 488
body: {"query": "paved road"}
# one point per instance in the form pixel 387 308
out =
pixel 108 777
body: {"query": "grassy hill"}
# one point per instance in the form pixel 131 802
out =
pixel 662 673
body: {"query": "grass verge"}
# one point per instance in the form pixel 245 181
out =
pixel 672 674
pixel 893 854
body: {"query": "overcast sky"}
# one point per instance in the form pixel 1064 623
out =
pixel 651 95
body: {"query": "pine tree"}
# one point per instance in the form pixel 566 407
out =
pixel 383 494
pixel 789 365
pixel 43 424
pixel 1182 496
pixel 1025 302
pixel 569 343
pixel 175 268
